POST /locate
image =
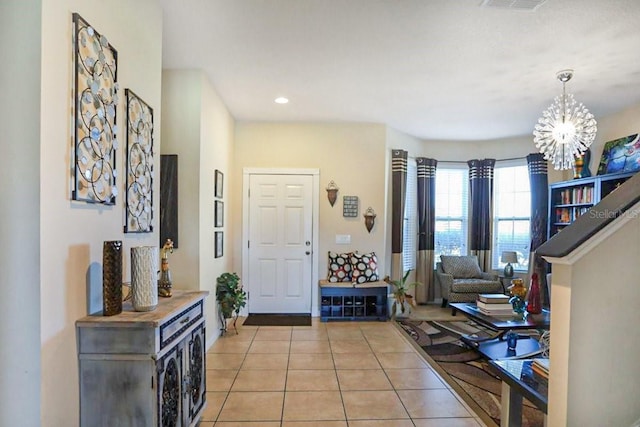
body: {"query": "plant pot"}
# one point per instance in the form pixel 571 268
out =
pixel 399 312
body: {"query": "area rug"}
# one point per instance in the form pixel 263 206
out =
pixel 278 320
pixel 464 369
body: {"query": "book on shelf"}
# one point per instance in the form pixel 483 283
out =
pixel 493 298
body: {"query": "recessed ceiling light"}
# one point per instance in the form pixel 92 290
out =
pixel 281 100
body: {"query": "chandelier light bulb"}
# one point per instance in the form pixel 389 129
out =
pixel 566 129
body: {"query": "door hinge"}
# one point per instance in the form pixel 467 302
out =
pixel 248 244
pixel 151 383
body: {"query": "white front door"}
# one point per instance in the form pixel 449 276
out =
pixel 280 243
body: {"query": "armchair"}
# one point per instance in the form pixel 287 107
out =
pixel 461 279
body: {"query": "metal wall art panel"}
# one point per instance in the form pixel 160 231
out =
pixel 95 97
pixel 139 205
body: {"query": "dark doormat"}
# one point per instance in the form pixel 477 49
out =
pixel 278 320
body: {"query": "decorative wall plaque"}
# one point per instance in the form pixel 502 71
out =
pixel 95 96
pixel 139 206
pixel 350 206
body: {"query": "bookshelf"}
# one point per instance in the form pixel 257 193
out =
pixel 570 199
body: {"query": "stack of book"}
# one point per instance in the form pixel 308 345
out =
pixel 541 367
pixel 494 304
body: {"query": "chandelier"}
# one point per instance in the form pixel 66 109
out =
pixel 566 129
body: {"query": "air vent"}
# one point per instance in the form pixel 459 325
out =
pixel 529 5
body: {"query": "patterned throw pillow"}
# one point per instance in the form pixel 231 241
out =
pixel 365 267
pixel 461 267
pixel 339 267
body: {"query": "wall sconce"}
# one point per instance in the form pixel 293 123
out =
pixel 369 219
pixel 332 192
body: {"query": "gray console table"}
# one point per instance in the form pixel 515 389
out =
pixel 144 368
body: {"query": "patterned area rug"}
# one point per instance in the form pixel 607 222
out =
pixel 465 368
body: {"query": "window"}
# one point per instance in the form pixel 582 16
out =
pixel 409 230
pixel 452 211
pixel 511 213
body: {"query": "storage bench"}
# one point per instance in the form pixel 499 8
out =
pixel 348 301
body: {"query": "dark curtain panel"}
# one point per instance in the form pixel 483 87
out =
pixel 426 229
pixel 398 192
pixel 481 197
pixel 539 182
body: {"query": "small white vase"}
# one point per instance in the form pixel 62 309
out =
pixel 144 278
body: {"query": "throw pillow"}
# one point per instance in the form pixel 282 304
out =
pixel 461 267
pixel 339 267
pixel 365 267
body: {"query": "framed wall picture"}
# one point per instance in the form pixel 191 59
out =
pixel 219 213
pixel 219 182
pixel 350 206
pixel 219 237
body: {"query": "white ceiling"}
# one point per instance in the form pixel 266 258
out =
pixel 435 69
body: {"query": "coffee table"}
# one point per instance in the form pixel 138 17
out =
pixel 495 346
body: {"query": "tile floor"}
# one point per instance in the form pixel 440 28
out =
pixel 335 374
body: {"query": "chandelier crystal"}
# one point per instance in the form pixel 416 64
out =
pixel 566 129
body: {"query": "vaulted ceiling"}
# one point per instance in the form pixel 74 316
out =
pixel 435 69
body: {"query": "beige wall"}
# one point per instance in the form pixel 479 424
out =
pixel 595 340
pixel 20 174
pixel 352 155
pixel 72 232
pixel 199 129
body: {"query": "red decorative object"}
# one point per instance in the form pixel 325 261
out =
pixel 534 300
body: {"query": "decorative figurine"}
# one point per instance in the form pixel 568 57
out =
pixel 164 283
pixel 518 292
pixel 369 219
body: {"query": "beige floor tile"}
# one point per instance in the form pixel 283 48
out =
pixel 343 325
pixel 310 361
pixel 260 380
pixel 229 346
pixel 312 380
pixel 272 335
pixel 401 360
pixel 432 404
pixel 247 424
pixel 380 423
pixel 220 379
pixel 373 405
pixel 265 361
pixel 414 379
pixel 269 346
pixel 215 400
pixel 355 361
pixel 224 361
pixel 313 406
pixel 345 334
pixel 206 424
pixel 316 334
pixel 446 422
pixel 363 379
pixel 391 345
pixel 310 347
pixel 350 346
pixel 245 333
pixel 275 328
pixel 252 406
pixel 313 424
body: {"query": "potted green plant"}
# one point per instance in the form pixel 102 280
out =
pixel 401 297
pixel 230 297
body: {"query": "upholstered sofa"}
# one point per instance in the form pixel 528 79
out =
pixel 461 279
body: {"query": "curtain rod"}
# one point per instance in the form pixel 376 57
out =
pixel 497 160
